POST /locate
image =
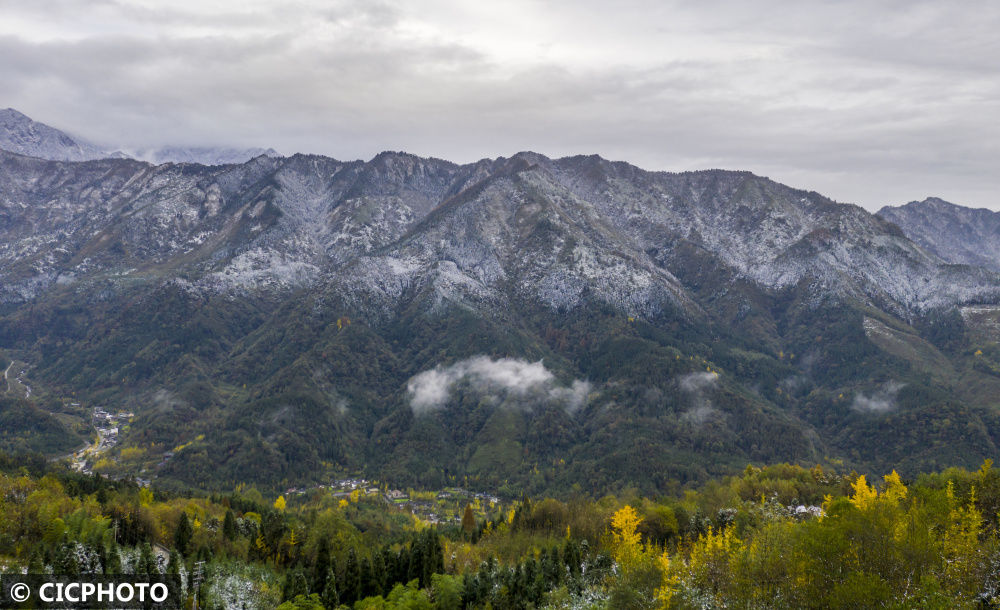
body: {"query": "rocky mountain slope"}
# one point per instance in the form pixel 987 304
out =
pixel 957 234
pixel 522 321
pixel 20 134
pixel 549 229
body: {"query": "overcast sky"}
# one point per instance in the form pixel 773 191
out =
pixel 871 102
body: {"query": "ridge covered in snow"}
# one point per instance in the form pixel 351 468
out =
pixel 484 235
pixel 958 234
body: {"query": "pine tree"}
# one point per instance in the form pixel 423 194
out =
pixel 367 582
pixel 402 566
pixel 351 587
pixel 321 568
pixel 229 526
pixel 437 553
pixel 416 567
pixel 295 584
pixel 65 561
pixel 37 566
pixel 470 591
pixel 183 535
pixel 330 598
pixel 147 560
pixel 113 564
pixel 378 574
pixel 174 563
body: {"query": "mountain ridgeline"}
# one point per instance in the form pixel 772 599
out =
pixel 955 233
pixel 522 324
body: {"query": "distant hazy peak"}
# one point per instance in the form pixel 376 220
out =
pixel 23 135
pixel 204 155
pixel 959 235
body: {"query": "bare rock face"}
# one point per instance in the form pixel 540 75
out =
pixel 957 234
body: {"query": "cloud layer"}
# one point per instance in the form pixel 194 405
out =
pixel 869 102
pixel 431 390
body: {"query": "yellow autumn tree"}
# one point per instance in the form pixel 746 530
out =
pixel 670 578
pixel 627 541
pixel 711 558
pixel 636 559
pixel 895 490
pixel 865 495
pixel 280 504
pixel 960 542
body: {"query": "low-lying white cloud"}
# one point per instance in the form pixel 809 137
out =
pixel 700 415
pixel 696 385
pixel 431 390
pixel 697 382
pixel 882 400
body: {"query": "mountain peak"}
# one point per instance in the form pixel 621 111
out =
pixel 957 234
pixel 21 134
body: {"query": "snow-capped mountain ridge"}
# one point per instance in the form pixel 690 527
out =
pixel 481 235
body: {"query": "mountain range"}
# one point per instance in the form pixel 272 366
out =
pixel 525 324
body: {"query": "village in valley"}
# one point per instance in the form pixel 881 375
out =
pixel 433 507
pixel 107 427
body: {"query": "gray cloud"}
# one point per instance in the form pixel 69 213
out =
pixel 431 390
pixel 881 400
pixel 866 102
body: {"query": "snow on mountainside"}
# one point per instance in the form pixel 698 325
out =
pixel 401 230
pixel 773 235
pixel 957 234
pixel 22 135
